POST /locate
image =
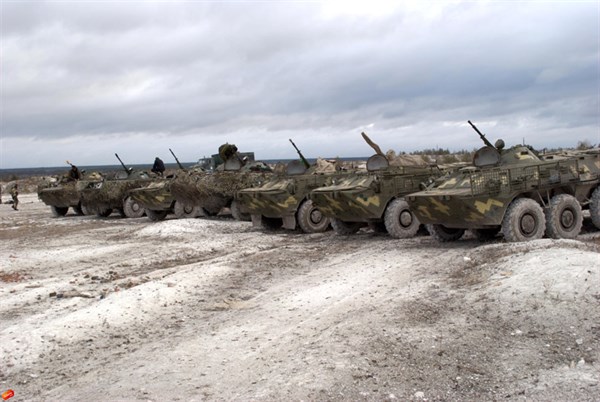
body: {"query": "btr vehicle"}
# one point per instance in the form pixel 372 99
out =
pixel 515 192
pixel 64 192
pixel 375 197
pixel 102 197
pixel 283 200
pixel 212 191
pixel 157 200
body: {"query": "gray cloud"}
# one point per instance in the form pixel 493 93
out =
pixel 255 73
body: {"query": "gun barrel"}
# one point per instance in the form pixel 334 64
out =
pixel 176 160
pixel 122 164
pixel 304 161
pixel 481 135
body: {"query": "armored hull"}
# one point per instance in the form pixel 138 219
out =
pixel 155 196
pixel 111 194
pixel 286 198
pixel 375 198
pixel 213 191
pixel 519 193
pixel 64 193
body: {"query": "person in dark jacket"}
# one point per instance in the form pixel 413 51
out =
pixel 158 167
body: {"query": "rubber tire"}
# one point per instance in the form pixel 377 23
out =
pixel 345 228
pixel 513 220
pixel 595 207
pixel 485 235
pixel 132 208
pixel 396 210
pixel 105 213
pixel 183 211
pixel 271 223
pixel 559 205
pixel 156 216
pixel 306 218
pixel 86 211
pixel 443 234
pixel 237 214
pixel 58 212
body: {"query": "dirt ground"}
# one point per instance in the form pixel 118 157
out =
pixel 199 309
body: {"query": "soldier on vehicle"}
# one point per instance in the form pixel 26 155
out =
pixel 158 167
pixel 74 173
pixel 14 192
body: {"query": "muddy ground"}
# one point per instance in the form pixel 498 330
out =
pixel 199 309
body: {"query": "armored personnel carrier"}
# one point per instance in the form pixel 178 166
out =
pixel 515 192
pixel 212 191
pixel 102 197
pixel 283 200
pixel 64 192
pixel 157 200
pixel 375 197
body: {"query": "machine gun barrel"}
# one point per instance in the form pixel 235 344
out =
pixel 304 161
pixel 122 164
pixel 482 136
pixel 176 160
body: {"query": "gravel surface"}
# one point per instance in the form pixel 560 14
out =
pixel 212 309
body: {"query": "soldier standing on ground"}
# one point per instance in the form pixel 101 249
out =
pixel 158 167
pixel 14 192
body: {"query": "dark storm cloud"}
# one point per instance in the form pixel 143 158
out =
pixel 209 69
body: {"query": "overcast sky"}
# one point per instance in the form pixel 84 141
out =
pixel 83 80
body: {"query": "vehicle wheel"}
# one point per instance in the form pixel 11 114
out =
pixel 595 207
pixel 132 208
pixel 57 212
pixel 104 213
pixel 310 218
pixel 345 228
pixel 484 235
pixel 183 211
pixel 524 220
pixel 564 217
pixel 400 222
pixel 156 215
pixel 78 209
pixel 237 214
pixel 377 227
pixel 271 223
pixel 85 210
pixel 443 234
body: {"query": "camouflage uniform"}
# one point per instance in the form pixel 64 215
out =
pixel 74 173
pixel 14 192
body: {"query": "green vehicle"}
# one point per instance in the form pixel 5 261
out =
pixel 212 191
pixel 515 192
pixel 157 200
pixel 62 193
pixel 283 200
pixel 375 198
pixel 112 193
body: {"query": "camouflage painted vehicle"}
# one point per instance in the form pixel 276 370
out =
pixel 157 200
pixel 62 193
pixel 283 200
pixel 102 197
pixel 215 190
pixel 375 197
pixel 515 192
